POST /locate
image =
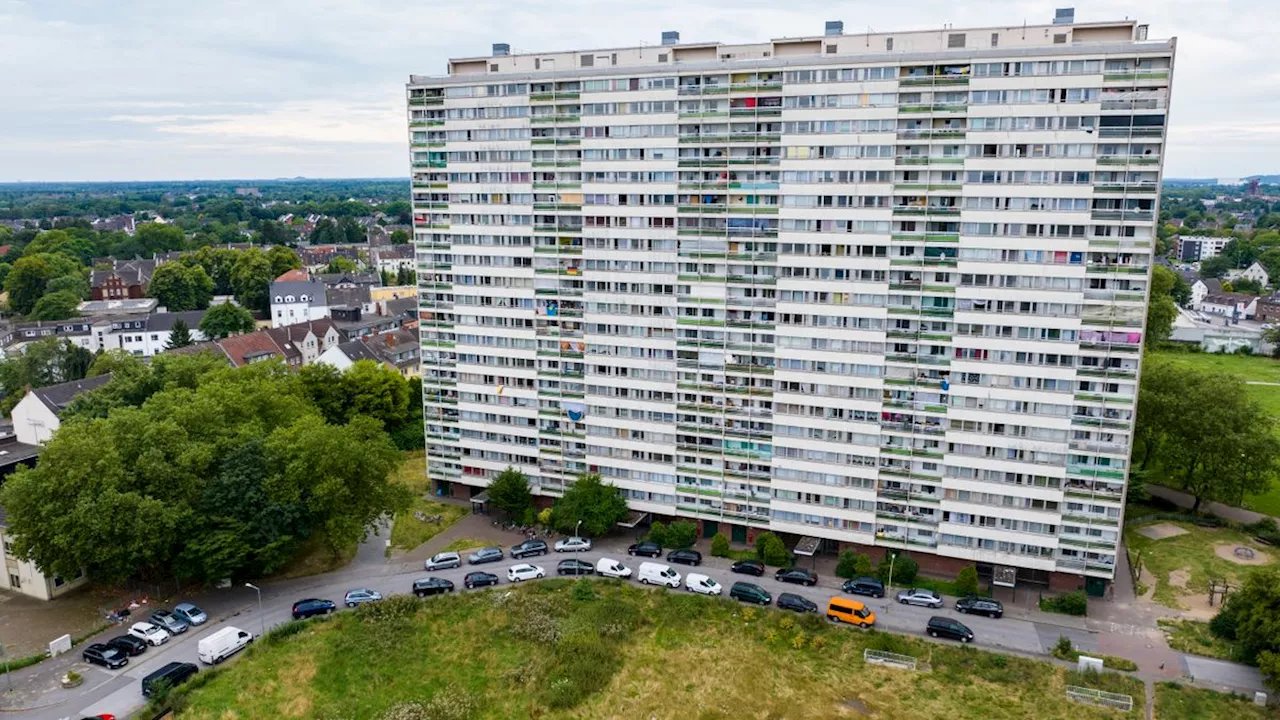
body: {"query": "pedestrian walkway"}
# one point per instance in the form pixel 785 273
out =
pixel 1226 512
pixel 477 527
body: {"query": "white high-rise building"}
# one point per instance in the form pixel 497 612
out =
pixel 878 291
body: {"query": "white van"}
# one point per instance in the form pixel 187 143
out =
pixel 701 584
pixel 222 644
pixel 608 567
pixel 659 574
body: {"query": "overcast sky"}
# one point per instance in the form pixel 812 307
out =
pixel 164 89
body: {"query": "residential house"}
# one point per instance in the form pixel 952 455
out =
pixel 310 338
pixel 1268 310
pixel 23 576
pixel 106 308
pixel 351 279
pixel 317 257
pixel 125 279
pixel 35 417
pixel 1200 288
pixel 397 349
pixel 353 323
pixel 1254 272
pixel 392 259
pixel 258 346
pixel 1235 306
pixel 294 301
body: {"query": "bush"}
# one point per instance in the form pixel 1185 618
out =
pixel 967 581
pixel 845 565
pixel 583 591
pixel 905 569
pixel 681 534
pixel 1072 603
pixel 720 545
pixel 772 551
pixel 1224 623
pixel 544 517
pixel 657 533
pixel 862 565
pixel 1265 529
pixel 1064 648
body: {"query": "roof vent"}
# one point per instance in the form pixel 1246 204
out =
pixel 501 49
pixel 1064 16
pixel 670 37
pixel 835 27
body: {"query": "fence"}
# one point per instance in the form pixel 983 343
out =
pixel 1100 697
pixel 880 657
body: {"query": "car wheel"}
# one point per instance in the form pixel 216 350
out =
pixel 902 600
pixel 420 594
pixel 833 618
pixel 933 634
pixel 644 581
pixel 998 615
pixel 961 610
pixel 328 610
pixel 542 575
pixel 812 583
pixel 964 639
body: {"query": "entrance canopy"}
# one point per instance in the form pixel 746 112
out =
pixel 808 546
pixel 633 519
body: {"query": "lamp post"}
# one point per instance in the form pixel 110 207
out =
pixel 892 556
pixel 261 618
pixel 576 528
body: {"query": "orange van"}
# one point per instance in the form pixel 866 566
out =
pixel 843 610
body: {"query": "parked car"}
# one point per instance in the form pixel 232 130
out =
pixel 748 567
pixel 485 555
pixel 128 645
pixel 798 603
pixel 980 606
pixel 608 567
pixel 658 574
pixel 870 587
pixel 575 567
pixel 167 620
pixel 149 633
pixel 844 610
pixel 222 644
pixel 750 592
pixel 646 548
pixel 312 607
pixel 529 547
pixel 685 557
pixel 361 595
pixel 190 613
pixel 431 586
pixel 920 596
pixel 573 544
pixel 443 561
pixel 946 627
pixel 479 579
pixel 701 584
pixel 173 674
pixel 796 575
pixel 525 571
pixel 106 656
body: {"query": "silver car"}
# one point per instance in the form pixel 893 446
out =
pixel 190 613
pixel 361 595
pixel 443 561
pixel 920 596
pixel 485 555
pixel 170 622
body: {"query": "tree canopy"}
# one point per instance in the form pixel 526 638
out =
pixel 599 506
pixel 1251 619
pixel 179 335
pixel 1162 310
pixel 45 362
pixel 180 287
pixel 26 283
pixel 226 319
pixel 509 492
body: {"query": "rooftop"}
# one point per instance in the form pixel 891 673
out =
pixel 58 397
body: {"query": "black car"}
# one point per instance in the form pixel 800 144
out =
pixel 646 548
pixel 750 592
pixel 796 575
pixel 798 603
pixel 312 607
pixel 431 586
pixel 106 656
pixel 173 674
pixel 870 587
pixel 685 557
pixel 980 606
pixel 128 644
pixel 946 627
pixel 748 567
pixel 575 567
pixel 479 579
pixel 529 547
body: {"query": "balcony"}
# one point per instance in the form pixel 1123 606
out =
pixel 1146 75
pixel 1140 187
pixel 933 81
pixel 926 210
pixel 1129 160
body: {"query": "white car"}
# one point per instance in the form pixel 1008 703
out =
pixel 608 567
pixel 701 584
pixel 573 544
pixel 444 561
pixel 525 572
pixel 152 634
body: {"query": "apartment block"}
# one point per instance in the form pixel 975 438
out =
pixel 879 291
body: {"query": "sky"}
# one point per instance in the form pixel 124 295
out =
pixel 102 90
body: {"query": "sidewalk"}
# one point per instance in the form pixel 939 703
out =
pixel 1226 512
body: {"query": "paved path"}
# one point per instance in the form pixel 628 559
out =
pixel 1226 512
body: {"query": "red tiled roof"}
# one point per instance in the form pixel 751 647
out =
pixel 294 276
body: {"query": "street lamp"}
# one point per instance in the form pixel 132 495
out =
pixel 576 527
pixel 261 618
pixel 893 555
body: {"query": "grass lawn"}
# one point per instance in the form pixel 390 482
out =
pixel 1256 368
pixel 1180 701
pixel 1191 556
pixel 1193 636
pixel 602 649
pixel 407 531
pixel 460 544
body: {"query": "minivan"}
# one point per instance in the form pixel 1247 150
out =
pixel 750 592
pixel 608 567
pixel 658 574
pixel 175 673
pixel 844 610
pixel 868 586
pixel 946 627
pixel 222 644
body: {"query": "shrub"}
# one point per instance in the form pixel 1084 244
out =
pixel 581 666
pixel 544 517
pixel 888 642
pixel 1072 603
pixel 657 533
pixel 862 565
pixel 845 566
pixel 812 622
pixel 967 581
pixel 905 569
pixel 281 632
pixel 772 551
pixel 529 517
pixel 1064 648
pixel 396 607
pixel 799 641
pixel 816 642
pixel 786 623
pixel 1265 529
pixel 583 591
pixel 681 534
pixel 720 545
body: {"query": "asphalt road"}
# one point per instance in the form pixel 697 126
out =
pixel 119 691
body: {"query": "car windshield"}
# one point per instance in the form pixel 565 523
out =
pixel 862 612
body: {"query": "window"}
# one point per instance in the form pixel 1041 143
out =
pixel 587 60
pixel 662 57
pixel 831 49
pixel 888 44
pixel 14 581
pixel 955 40
pixel 995 39
pixel 537 63
pixel 1060 39
pixel 493 67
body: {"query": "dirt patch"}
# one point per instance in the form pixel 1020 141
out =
pixel 857 706
pixel 1180 577
pixel 1160 531
pixel 1149 581
pixel 1227 551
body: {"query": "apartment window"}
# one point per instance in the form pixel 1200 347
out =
pixel 955 40
pixel 493 67
pixel 587 60
pixel 613 59
pixel 1060 39
pixel 14 581
pixel 888 44
pixel 831 49
pixel 662 57
pixel 537 63
pixel 995 39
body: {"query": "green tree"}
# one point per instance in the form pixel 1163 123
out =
pixel 845 566
pixel 30 275
pixel 509 492
pixel 56 306
pixel 179 335
pixel 681 534
pixel 1247 285
pixel 1251 619
pixel 226 319
pixel 967 581
pixel 1160 402
pixel 76 284
pixel 1215 267
pixel 772 551
pixel 657 533
pixel 113 361
pixel 904 567
pixel 862 565
pixel 217 264
pixel 48 361
pixel 366 388
pixel 1162 310
pixel 251 280
pixel 405 276
pixel 720 545
pixel 180 287
pixel 271 232
pixel 598 505
pixel 159 238
pixel 341 264
pixel 282 260
pixel 75 247
pixel 400 237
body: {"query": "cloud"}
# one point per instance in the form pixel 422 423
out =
pixel 138 89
